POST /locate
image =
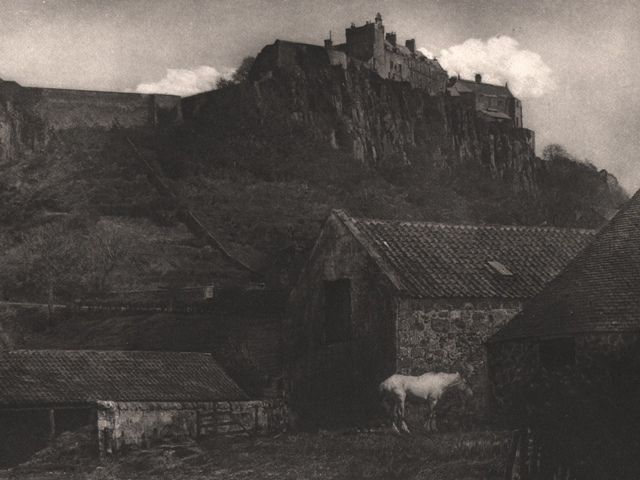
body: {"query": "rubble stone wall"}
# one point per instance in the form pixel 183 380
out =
pixel 448 336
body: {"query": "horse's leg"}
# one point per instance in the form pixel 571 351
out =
pixel 404 425
pixel 390 401
pixel 394 417
pixel 431 422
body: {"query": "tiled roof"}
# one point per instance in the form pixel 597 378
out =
pixel 80 376
pixel 599 291
pixel 495 114
pixel 484 88
pixel 432 260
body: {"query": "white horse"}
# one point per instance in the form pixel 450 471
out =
pixel 427 388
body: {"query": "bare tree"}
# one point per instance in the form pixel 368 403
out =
pixel 555 151
pixel 240 75
pixel 52 259
pixel 47 259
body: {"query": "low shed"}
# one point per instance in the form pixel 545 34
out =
pixel 379 297
pixel 126 397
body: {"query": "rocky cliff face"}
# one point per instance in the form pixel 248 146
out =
pixel 374 120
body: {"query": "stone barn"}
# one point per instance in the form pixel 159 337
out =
pixel 378 297
pixel 123 398
pixel 571 358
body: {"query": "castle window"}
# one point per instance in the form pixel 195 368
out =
pixel 556 353
pixel 337 298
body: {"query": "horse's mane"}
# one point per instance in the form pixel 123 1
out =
pixel 444 380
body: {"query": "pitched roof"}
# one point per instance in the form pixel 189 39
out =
pixel 466 86
pixel 433 260
pixel 399 48
pixel 79 376
pixel 599 291
pixel 495 114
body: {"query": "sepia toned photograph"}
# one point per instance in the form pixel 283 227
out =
pixel 285 239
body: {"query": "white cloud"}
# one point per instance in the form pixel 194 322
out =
pixel 427 53
pixel 500 60
pixel 186 82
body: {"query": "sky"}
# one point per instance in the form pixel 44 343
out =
pixel 573 63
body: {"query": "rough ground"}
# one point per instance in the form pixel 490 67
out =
pixel 347 454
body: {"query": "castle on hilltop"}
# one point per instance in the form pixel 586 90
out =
pixel 370 47
pixel 382 53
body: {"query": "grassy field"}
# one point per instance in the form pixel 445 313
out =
pixel 345 454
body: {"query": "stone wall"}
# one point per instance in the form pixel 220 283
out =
pixel 327 380
pixel 367 43
pixel 140 423
pixel 601 358
pixel 137 423
pixel 583 415
pixel 448 336
pixel 29 116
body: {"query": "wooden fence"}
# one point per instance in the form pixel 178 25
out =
pixel 531 458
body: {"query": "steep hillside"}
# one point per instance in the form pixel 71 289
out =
pixel 234 198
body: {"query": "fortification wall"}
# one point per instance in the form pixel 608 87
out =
pixel 29 115
pixel 61 109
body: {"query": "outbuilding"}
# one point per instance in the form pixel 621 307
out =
pixel 379 297
pixel 125 397
pixel 569 363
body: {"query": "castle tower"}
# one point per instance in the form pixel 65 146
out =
pixel 366 43
pixel 378 61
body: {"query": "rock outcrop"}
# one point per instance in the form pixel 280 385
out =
pixel 374 119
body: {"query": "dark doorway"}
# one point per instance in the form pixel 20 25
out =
pixel 70 419
pixel 337 295
pixel 24 432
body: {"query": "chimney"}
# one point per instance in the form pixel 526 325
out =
pixel 391 38
pixel 328 44
pixel 411 45
pixel 478 78
pixel 378 19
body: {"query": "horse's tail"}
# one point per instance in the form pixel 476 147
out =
pixel 382 387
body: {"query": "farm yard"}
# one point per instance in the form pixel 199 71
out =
pixel 213 283
pixel 348 453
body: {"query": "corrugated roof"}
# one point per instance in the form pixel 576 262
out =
pixel 79 376
pixel 599 291
pixel 433 260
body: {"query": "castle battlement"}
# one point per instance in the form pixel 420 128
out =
pixel 382 53
pixel 373 48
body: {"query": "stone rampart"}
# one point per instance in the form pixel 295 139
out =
pixel 29 116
